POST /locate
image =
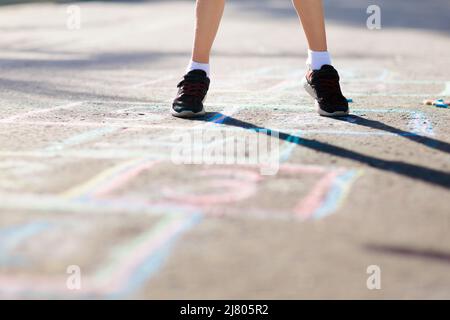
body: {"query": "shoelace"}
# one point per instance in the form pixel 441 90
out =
pixel 196 89
pixel 328 89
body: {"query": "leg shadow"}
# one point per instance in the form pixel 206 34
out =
pixel 410 252
pixel 427 141
pixel 417 172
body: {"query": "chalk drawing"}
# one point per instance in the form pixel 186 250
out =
pixel 327 195
pixel 150 82
pixel 14 118
pixel 134 262
pixel 231 185
pixel 420 124
pixel 54 203
pixel 382 77
pixel 339 190
pixel 221 186
pixel 446 91
pixel 96 195
pixel 12 236
pixel 119 179
pixel 129 268
pixel 418 128
pixel 312 201
pixel 81 138
pixel 277 96
pixel 125 274
pixel 22 167
pixel 126 169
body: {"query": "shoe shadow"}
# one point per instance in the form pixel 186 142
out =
pixel 417 172
pixel 410 252
pixel 427 141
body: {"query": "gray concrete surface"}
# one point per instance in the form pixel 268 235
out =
pixel 87 178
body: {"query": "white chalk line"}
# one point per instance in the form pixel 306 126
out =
pixel 162 108
pixel 119 154
pixel 12 119
pixel 126 152
pixel 228 111
pixel 231 109
pixel 102 131
pixel 59 149
pixel 278 73
pixel 52 150
pixel 52 202
pixel 446 91
pixel 150 82
pixel 251 93
pixel 383 76
pixel 47 203
pixel 81 138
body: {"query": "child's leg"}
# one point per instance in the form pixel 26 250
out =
pixel 209 14
pixel 193 88
pixel 321 80
pixel 313 21
pixel 312 18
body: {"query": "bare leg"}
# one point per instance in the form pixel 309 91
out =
pixel 209 14
pixel 311 15
pixel 193 88
pixel 321 80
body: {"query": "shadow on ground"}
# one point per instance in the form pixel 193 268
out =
pixel 412 14
pixel 410 252
pixel 415 14
pixel 417 172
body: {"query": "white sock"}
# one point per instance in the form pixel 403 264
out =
pixel 198 66
pixel 316 59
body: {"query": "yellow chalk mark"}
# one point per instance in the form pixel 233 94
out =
pixel 86 187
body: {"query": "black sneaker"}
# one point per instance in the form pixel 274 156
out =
pixel 192 92
pixel 323 86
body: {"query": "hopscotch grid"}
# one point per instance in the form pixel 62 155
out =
pixel 154 264
pixel 127 278
pixel 421 124
pixel 12 119
pixel 417 129
pixel 188 223
pixel 83 197
pixel 134 258
pixel 17 117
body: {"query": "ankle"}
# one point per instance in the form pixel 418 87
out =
pixel 317 59
pixel 194 65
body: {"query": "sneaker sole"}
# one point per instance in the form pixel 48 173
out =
pixel 188 114
pixel 321 112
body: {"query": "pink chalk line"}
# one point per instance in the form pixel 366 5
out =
pixel 313 200
pixel 122 179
